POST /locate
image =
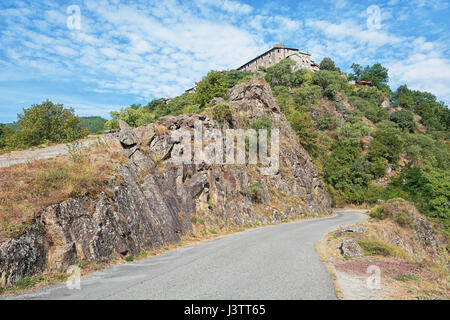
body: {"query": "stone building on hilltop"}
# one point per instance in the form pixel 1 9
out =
pixel 272 57
pixel 276 54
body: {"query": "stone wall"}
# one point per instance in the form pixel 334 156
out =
pixel 276 54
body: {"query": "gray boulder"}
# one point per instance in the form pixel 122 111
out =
pixel 354 228
pixel 349 248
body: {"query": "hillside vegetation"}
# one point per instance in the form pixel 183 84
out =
pixel 368 143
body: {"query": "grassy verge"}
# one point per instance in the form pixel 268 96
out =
pixel 408 271
pixel 28 188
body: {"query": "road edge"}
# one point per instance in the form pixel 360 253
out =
pixel 328 265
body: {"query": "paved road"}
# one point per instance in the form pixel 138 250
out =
pixel 274 262
pixel 17 157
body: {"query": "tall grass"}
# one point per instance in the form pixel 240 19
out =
pixel 28 188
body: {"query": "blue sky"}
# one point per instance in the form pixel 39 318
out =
pixel 133 51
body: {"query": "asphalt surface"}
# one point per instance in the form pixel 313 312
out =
pixel 273 262
pixel 18 157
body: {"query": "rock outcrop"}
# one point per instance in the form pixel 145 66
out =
pixel 154 200
pixel 349 248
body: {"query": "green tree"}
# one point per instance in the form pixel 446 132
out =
pixel 95 125
pixel 308 95
pixel 328 64
pixel 48 122
pixel 213 85
pixel 283 74
pixel 331 82
pixel 5 132
pixel 434 115
pixel 304 126
pixel 154 104
pixel 377 74
pixel 177 105
pixel 233 77
pixel 404 119
pixel 386 144
pixel 135 116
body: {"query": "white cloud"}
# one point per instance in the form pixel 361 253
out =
pixel 423 71
pixel 353 31
pixel 148 51
pixel 160 48
pixel 233 6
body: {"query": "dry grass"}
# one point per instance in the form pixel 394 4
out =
pixel 404 276
pixel 160 129
pixel 28 188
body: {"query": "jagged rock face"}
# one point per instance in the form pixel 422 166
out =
pixel 155 200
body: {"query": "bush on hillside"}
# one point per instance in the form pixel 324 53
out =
pixel 404 119
pixel 47 123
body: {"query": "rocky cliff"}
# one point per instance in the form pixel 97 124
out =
pixel 155 201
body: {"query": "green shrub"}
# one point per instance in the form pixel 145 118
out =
pixel 222 112
pixel 213 231
pixel 379 248
pixel 282 74
pixel 304 126
pixel 262 123
pixel 327 122
pixel 386 144
pixel 25 283
pixel 213 85
pixel 234 77
pixel 379 167
pixel 380 213
pixel 404 119
pixel 195 219
pixel 371 110
pixel 254 192
pixel 307 96
pixel 406 277
pixel 404 220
